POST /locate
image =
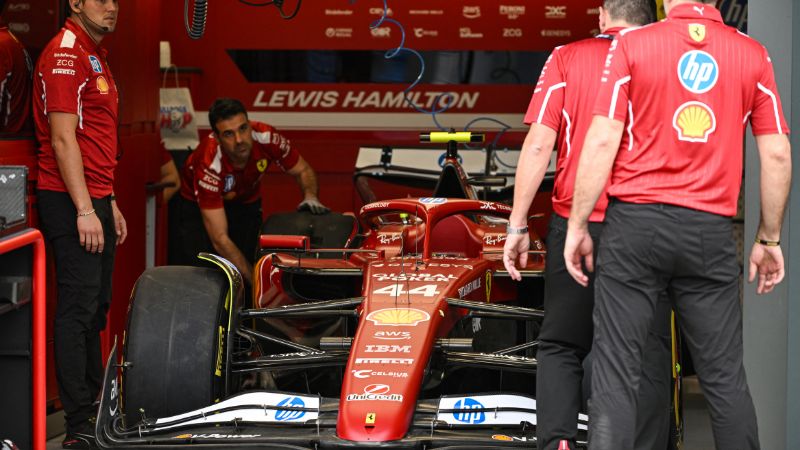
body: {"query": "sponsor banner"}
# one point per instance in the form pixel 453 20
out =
pixel 468 288
pixel 393 335
pixel 245 412
pixel 382 348
pixel 369 373
pixel 216 436
pixel 398 361
pixel 485 410
pixel 413 276
pixel 398 317
pixel 333 24
pixel 475 410
pixel 375 392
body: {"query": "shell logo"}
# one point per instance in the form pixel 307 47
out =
pixel 694 122
pixel 102 84
pixel 397 317
pixel 502 437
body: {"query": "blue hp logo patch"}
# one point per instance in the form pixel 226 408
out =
pixel 698 71
pixel 467 416
pixel 289 415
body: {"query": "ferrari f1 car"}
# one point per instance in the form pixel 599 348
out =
pixel 410 335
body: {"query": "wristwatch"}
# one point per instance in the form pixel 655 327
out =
pixel 516 230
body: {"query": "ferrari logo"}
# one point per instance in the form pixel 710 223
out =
pixel 697 32
pixel 262 164
pixel 488 285
pixel 370 419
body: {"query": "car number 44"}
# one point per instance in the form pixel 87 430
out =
pixel 397 290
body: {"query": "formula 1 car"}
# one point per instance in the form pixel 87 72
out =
pixel 410 335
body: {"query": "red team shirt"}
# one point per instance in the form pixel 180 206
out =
pixel 72 76
pixel 563 100
pixel 209 178
pixel 15 84
pixel 687 102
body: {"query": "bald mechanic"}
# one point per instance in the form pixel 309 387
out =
pixel 561 108
pixel 220 199
pixel 674 184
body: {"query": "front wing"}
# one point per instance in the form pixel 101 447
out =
pixel 275 420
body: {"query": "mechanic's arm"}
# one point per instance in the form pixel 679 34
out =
pixel 216 224
pixel 597 158
pixel 169 174
pixel 531 167
pixel 70 165
pixel 307 180
pixel 775 154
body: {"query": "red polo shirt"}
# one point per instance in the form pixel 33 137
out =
pixel 72 76
pixel 15 84
pixel 563 100
pixel 687 86
pixel 209 178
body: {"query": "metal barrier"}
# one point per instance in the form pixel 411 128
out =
pixel 8 243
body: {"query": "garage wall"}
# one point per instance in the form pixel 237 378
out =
pixel 772 322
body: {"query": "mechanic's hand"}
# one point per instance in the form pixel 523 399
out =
pixel 312 204
pixel 90 233
pixel 517 246
pixel 119 223
pixel 579 246
pixel 768 262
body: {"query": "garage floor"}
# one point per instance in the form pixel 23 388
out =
pixel 698 425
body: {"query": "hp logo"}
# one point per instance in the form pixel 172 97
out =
pixel 284 415
pixel 698 71
pixel 466 416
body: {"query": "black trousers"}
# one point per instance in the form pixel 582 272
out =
pixel 563 375
pixel 188 235
pixel 647 250
pixel 84 296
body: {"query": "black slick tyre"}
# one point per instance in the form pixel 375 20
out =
pixel 174 345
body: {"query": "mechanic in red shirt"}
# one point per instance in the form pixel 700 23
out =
pixel 220 200
pixel 687 87
pixel 75 114
pixel 561 110
pixel 16 70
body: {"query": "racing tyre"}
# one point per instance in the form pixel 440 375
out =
pixel 174 349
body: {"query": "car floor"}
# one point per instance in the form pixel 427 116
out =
pixel 697 435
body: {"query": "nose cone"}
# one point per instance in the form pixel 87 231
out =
pixel 385 371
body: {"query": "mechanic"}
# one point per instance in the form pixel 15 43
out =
pixel 76 125
pixel 561 109
pixel 220 198
pixel 674 187
pixel 15 83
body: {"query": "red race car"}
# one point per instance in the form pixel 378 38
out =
pixel 410 335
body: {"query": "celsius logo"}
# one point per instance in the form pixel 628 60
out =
pixel 698 71
pixel 286 415
pixel 471 411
